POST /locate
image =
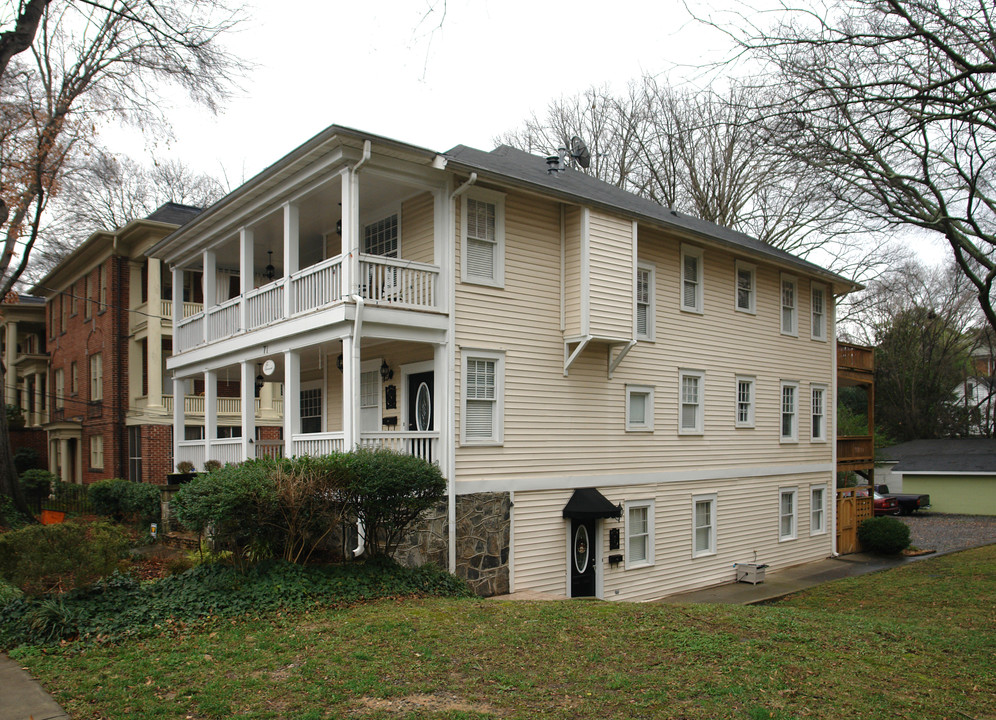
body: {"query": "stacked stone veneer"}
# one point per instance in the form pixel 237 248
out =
pixel 483 530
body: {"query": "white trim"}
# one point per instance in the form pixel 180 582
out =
pixel 785 279
pixel 752 269
pixel 699 428
pixel 498 263
pixel 823 325
pixel 651 268
pixel 585 270
pixel 794 491
pixel 749 422
pixel 696 252
pixel 526 483
pixel 794 436
pixel 813 387
pixel 648 424
pixel 498 418
pixel 812 489
pixel 651 532
pixel 713 500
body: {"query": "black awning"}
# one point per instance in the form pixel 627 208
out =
pixel 588 503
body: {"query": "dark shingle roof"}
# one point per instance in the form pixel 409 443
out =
pixel 174 213
pixel 531 171
pixel 955 455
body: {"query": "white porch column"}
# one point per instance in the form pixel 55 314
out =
pixel 154 343
pixel 64 460
pixel 292 252
pixel 266 399
pixel 350 232
pixel 442 421
pixel 292 399
pixel 179 408
pixel 177 305
pixel 10 355
pixel 247 271
pixel 248 411
pixel 350 393
pixel 210 412
pixel 210 287
pixel 39 415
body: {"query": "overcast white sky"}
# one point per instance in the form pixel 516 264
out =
pixel 385 67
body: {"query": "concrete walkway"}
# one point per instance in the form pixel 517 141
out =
pixel 22 698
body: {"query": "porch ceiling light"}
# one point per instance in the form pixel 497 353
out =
pixel 386 373
pixel 270 270
pixel 259 378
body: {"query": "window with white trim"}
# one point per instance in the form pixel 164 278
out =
pixel 482 406
pixel 703 525
pixel 745 402
pixel 691 278
pixel 60 388
pixel 311 410
pixel 639 533
pixel 483 251
pixel 790 316
pixel 818 411
pixel 817 510
pixel 787 514
pixel 96 377
pixel 645 281
pixel 818 309
pixel 691 389
pixel 639 408
pixel 746 287
pixel 370 386
pixel 74 378
pixel 381 237
pixel 97 452
pixel 102 275
pixel 790 413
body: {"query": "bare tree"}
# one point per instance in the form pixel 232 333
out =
pixel 893 102
pixel 89 60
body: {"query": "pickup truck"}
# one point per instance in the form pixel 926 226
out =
pixel 908 503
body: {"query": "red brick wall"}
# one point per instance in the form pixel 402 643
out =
pixel 270 432
pixel 157 453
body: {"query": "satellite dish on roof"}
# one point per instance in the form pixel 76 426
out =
pixel 579 151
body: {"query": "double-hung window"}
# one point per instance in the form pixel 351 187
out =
pixel 703 525
pixel 639 533
pixel 482 407
pixel 96 377
pixel 790 412
pixel 745 402
pixel 787 514
pixel 381 237
pixel 311 409
pixel 790 310
pixel 691 278
pixel 691 389
pixel 818 306
pixel 818 408
pixel 645 301
pixel 746 288
pixel 817 510
pixel 97 452
pixel 483 252
pixel 87 292
pixel 639 408
pixel 60 388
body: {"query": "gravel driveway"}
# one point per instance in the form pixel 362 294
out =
pixel 944 533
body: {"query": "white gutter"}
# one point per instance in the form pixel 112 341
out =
pixel 361 531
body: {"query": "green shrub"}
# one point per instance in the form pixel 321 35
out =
pixel 9 516
pixel 37 484
pixel 390 491
pixel 123 500
pixel 42 558
pixel 26 458
pixel 884 535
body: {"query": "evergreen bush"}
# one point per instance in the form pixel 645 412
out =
pixel 123 500
pixel 884 535
pixel 37 484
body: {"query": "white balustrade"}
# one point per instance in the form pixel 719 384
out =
pixel 190 333
pixel 270 448
pixel 398 282
pixel 226 450
pixel 191 451
pixel 223 319
pixel 266 304
pixel 317 286
pixel 314 444
pixel 420 444
pixel 229 406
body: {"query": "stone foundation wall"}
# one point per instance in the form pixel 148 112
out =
pixel 483 537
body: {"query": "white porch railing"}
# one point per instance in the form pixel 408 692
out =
pixel 190 333
pixel 189 309
pixel 266 304
pixel 194 405
pixel 223 319
pixel 420 444
pixel 270 448
pixel 191 451
pixel 398 282
pixel 226 450
pixel 317 286
pixel 317 443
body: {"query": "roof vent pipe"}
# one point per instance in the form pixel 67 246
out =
pixel 553 164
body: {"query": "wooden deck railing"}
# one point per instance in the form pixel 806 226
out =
pixel 855 357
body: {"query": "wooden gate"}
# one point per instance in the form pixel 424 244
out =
pixel 854 505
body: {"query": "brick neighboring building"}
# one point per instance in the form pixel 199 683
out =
pixel 108 314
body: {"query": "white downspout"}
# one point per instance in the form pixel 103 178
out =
pixel 365 158
pixel 361 531
pixel 463 188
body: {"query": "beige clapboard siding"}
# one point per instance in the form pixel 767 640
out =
pixel 572 272
pixel 558 426
pixel 611 275
pixel 417 229
pixel 747 520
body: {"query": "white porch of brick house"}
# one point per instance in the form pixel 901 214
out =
pixel 281 283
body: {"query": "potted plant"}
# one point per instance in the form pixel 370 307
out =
pixel 184 473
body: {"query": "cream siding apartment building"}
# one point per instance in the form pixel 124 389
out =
pixel 625 401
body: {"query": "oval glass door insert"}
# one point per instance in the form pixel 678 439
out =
pixel 581 549
pixel 423 407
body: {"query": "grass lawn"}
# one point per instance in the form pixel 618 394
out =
pixel 915 642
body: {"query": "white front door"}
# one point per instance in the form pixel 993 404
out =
pixel 370 396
